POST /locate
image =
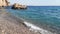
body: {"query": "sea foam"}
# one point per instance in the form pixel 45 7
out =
pixel 37 29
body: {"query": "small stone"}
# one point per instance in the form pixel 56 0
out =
pixel 3 31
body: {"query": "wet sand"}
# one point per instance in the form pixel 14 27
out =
pixel 9 24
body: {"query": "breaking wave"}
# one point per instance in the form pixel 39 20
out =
pixel 37 29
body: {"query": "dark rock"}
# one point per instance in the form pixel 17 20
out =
pixel 18 6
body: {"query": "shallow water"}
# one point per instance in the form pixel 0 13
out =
pixel 47 17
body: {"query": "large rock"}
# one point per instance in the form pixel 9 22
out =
pixel 18 6
pixel 4 3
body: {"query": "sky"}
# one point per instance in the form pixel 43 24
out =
pixel 37 2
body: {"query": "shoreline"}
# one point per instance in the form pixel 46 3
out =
pixel 17 22
pixel 34 28
pixel 9 24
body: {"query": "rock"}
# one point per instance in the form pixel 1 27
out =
pixel 18 6
pixel 4 3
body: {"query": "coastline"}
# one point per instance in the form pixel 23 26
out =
pixel 9 24
pixel 21 24
pixel 33 27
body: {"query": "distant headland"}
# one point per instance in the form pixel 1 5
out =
pixel 4 3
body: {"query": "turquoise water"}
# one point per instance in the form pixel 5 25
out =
pixel 47 17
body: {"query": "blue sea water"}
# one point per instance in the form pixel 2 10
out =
pixel 46 17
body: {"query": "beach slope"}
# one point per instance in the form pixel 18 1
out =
pixel 11 25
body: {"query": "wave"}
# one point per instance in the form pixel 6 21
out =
pixel 37 29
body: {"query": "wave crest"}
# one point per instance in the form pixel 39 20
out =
pixel 37 29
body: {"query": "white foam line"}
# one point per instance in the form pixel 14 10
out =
pixel 36 29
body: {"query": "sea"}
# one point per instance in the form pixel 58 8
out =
pixel 44 17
